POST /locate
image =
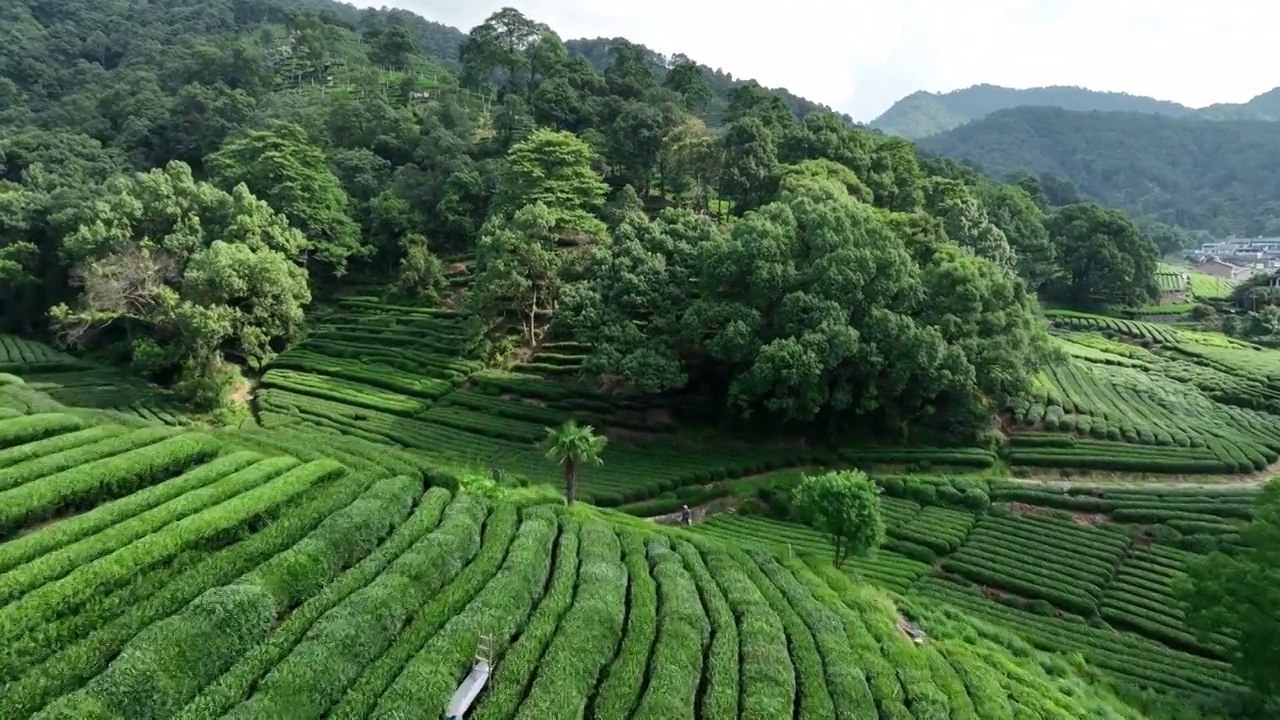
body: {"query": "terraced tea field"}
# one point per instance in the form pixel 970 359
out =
pixel 183 577
pixel 1102 588
pixel 393 375
pixel 1141 397
pixel 327 559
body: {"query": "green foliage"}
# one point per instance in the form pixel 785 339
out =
pixel 1237 595
pixel 791 299
pixel 846 506
pixel 551 168
pixel 571 446
pixel 163 256
pixel 282 166
pixel 421 273
pixel 1104 257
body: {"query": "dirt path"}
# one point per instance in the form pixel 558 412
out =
pixel 723 504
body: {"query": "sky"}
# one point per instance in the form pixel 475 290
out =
pixel 860 56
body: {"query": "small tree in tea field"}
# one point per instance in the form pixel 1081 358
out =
pixel 571 445
pixel 846 506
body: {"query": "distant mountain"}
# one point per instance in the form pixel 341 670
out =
pixel 1220 177
pixel 922 114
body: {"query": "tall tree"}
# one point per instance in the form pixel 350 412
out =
pixel 629 75
pixel 392 46
pixel 571 446
pixel 282 166
pixel 845 506
pixel 495 50
pixel 1015 213
pixel 965 220
pixel 751 171
pixel 691 162
pixel 1104 258
pixel 552 168
pixel 518 266
pixel 635 142
pixel 688 81
pixel 165 261
pixel 750 100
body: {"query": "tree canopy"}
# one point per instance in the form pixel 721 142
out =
pixel 844 505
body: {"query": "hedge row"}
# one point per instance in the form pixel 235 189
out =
pixel 514 673
pixel 767 676
pixel 1032 585
pixel 52 599
pixel 236 683
pixel 588 634
pixel 1126 655
pixel 28 428
pixel 378 376
pixel 345 640
pixel 345 392
pixel 498 428
pixel 719 697
pixel 1226 505
pixel 425 685
pixel 39 643
pixel 514 409
pixel 953 457
pixel 90 484
pixel 51 537
pixel 1134 461
pixel 684 631
pixel 75 664
pixel 953 490
pixel 170 662
pixel 56 444
pixel 56 462
pixel 828 585
pixel 500 530
pixel 213 483
pixel 814 697
pixel 844 678
pixel 617 696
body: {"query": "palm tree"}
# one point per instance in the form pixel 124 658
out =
pixel 571 445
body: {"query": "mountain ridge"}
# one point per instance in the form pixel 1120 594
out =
pixel 1205 175
pixel 923 114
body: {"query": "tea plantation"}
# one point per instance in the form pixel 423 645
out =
pixel 342 554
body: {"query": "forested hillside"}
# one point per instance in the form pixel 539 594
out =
pixel 1213 176
pixel 182 181
pixel 922 113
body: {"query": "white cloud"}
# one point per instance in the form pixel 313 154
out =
pixel 862 55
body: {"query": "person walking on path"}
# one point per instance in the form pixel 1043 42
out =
pixel 686 516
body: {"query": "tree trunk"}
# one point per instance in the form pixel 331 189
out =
pixel 533 315
pixel 571 481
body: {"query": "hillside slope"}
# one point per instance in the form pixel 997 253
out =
pixel 1214 176
pixel 254 583
pixel 922 114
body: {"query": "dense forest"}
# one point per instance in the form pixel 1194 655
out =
pixel 1213 176
pixel 922 113
pixel 181 180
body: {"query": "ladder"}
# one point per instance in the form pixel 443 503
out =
pixel 475 681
